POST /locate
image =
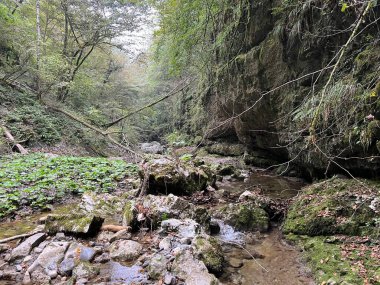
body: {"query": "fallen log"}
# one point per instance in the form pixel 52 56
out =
pixel 19 236
pixel 114 228
pixel 12 140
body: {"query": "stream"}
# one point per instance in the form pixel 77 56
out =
pixel 273 260
pixel 250 258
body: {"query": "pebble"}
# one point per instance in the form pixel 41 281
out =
pixel 27 258
pixel 169 279
pixel 38 250
pixel 60 236
pixel 165 244
pixel 26 280
pixel 18 268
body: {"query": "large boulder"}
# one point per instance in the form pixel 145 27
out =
pixel 152 147
pixel 336 206
pixel 77 224
pixel 245 216
pixel 168 175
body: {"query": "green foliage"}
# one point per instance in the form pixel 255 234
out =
pixel 34 124
pixel 190 33
pixel 36 180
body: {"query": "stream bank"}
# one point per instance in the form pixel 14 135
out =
pixel 222 226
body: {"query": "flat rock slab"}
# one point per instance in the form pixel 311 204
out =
pixel 77 224
pixel 125 250
pixel 50 258
pixel 25 247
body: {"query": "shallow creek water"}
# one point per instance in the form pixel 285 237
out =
pixel 262 259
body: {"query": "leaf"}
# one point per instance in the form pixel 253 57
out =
pixel 344 7
pixel 373 94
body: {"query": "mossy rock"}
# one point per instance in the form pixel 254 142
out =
pixel 336 206
pixel 167 175
pixel 374 129
pixel 245 216
pixel 76 224
pixel 210 252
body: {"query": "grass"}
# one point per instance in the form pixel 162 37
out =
pixel 37 180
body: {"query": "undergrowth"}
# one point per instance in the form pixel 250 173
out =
pixel 38 180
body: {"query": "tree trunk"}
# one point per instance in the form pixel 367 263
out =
pixel 38 48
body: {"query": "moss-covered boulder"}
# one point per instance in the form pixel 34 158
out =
pixel 208 250
pixel 245 216
pixel 76 224
pixel 150 211
pixel 336 206
pixel 168 175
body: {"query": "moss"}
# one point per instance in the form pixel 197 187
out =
pixel 128 214
pixel 331 260
pixel 210 252
pixel 374 129
pixel 245 217
pixel 79 224
pixel 335 206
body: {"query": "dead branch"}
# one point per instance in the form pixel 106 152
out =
pixel 336 65
pixel 99 131
pixel 114 228
pixel 12 140
pixel 20 236
pixel 173 92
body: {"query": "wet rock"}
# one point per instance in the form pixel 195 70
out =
pixel 191 270
pixel 85 270
pixel 184 228
pixel 87 253
pixel 50 258
pixel 152 147
pixel 167 175
pixel 208 250
pixel 103 258
pixel 235 263
pixel 157 266
pixel 125 250
pixel 79 224
pixel 244 216
pixel 25 247
pixel 169 279
pixel 66 267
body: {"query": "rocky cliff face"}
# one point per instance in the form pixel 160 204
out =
pixel 268 79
